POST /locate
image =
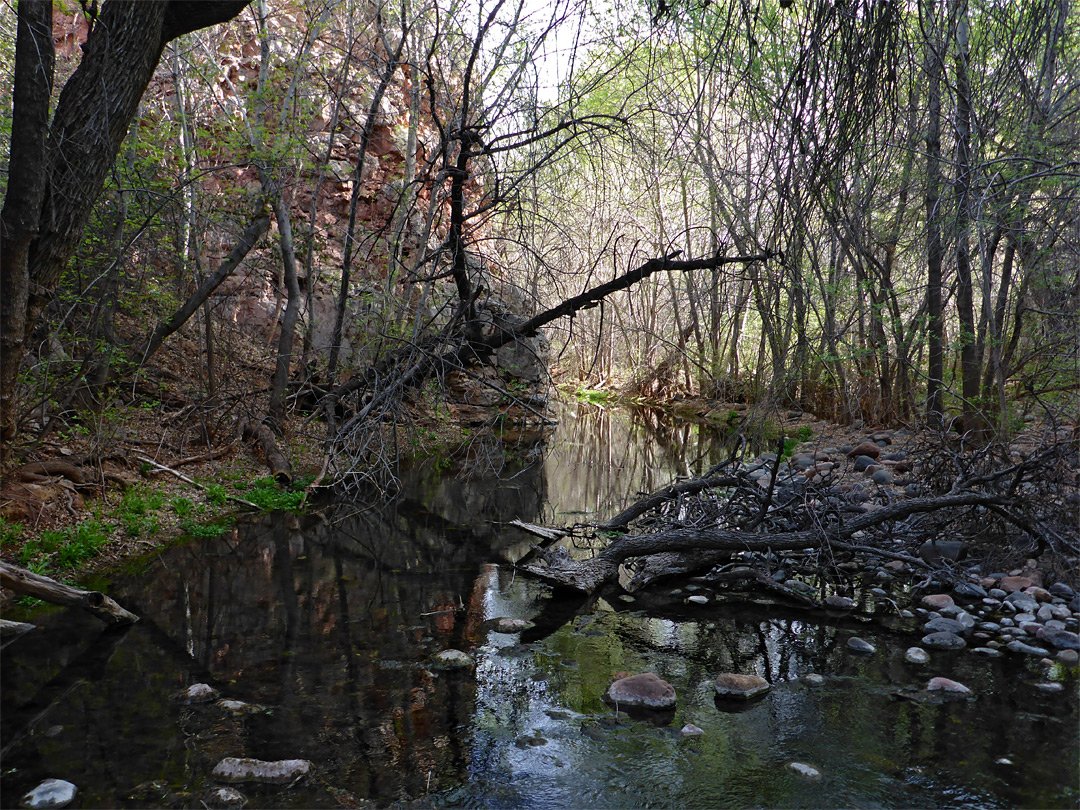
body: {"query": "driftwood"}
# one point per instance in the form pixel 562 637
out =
pixel 41 587
pixel 589 575
pixel 277 461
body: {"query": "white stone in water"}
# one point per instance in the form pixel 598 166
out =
pixel 805 771
pixel 1049 686
pixel 946 685
pixel 239 769
pixel 50 793
pixel 239 707
pixel 506 624
pixel 916 655
pixel 197 693
pixel 814 679
pixel 452 659
pixel 690 730
pixel 698 599
pixel 856 644
pixel 223 798
pixel 1003 761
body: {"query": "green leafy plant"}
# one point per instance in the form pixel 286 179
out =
pixel 216 494
pixel 266 495
pixel 182 506
pixel 205 531
pixel 10 532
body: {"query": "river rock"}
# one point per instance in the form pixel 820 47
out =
pixel 882 477
pixel 646 691
pixel 808 772
pixel 1021 602
pixel 865 449
pixel 838 602
pixel 690 730
pixel 1016 583
pixel 1038 594
pixel 278 772
pixel 737 685
pixel 698 599
pixel 916 655
pixel 943 641
pixel 858 645
pixel 1068 658
pixel 943 625
pixel 969 590
pixel 937 601
pixel 1026 649
pixel 224 798
pixel 1062 590
pixel 452 659
pixel 986 652
pixel 506 624
pixel 862 463
pixel 1050 686
pixel 1062 639
pixel 196 693
pixel 946 685
pixel 50 793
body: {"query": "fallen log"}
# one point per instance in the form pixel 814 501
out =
pixel 278 462
pixel 27 583
pixel 49 467
pixel 555 565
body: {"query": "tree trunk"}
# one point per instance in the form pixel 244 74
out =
pixel 49 590
pixel 935 399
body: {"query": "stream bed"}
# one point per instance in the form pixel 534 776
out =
pixel 327 624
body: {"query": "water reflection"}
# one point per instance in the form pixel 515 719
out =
pixel 331 622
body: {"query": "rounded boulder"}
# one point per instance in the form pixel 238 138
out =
pixel 646 691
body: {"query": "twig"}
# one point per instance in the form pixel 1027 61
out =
pixel 194 483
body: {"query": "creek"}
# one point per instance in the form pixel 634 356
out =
pixel 330 622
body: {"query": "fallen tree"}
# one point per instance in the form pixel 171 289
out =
pixel 697 525
pixel 27 583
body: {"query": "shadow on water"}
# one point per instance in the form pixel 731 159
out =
pixel 330 623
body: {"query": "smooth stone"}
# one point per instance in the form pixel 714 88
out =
pixel 943 625
pixel 452 659
pixel 990 627
pixel 1011 584
pixel 239 707
pixel 1062 590
pixel 840 602
pixel 986 652
pixel 1007 622
pixel 906 614
pixel 805 771
pixel 997 593
pixel 946 685
pixel 943 641
pixel 50 793
pixel 937 601
pixel 1054 624
pixel 1050 686
pixel 243 769
pixel 197 693
pixel 882 477
pixel 1061 639
pixel 1022 602
pixel 1069 658
pixel 863 463
pixel 814 679
pixel 1026 649
pixel 737 685
pixel 951 612
pixel 991 603
pixel 1045 613
pixel 690 730
pixel 969 590
pixel 865 449
pixel 1060 612
pixel 223 798
pixel 698 599
pixel 916 655
pixel 1024 618
pixel 1038 594
pixel 646 691
pixel 856 644
pixel 506 624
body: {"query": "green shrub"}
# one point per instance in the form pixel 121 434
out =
pixel 266 495
pixel 182 506
pixel 10 532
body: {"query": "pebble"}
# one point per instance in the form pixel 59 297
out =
pixel 1026 649
pixel 943 641
pixel 943 625
pixel 916 655
pixel 804 770
pixel 946 685
pixel 986 652
pixel 690 730
pixel 856 644
pixel 1069 658
pixel 1023 618
pixel 223 798
pixel 882 477
pixel 990 627
pixel 997 593
pixel 50 793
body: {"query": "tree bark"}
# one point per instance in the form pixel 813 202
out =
pixel 935 402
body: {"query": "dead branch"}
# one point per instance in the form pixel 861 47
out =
pixel 277 461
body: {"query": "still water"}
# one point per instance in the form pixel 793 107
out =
pixel 329 623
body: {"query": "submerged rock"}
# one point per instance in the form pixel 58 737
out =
pixel 743 687
pixel 240 769
pixel 943 641
pixel 50 793
pixel 506 624
pixel 804 770
pixel 452 659
pixel 223 798
pixel 946 685
pixel 839 602
pixel 943 625
pixel 239 707
pixel 856 644
pixel 1026 649
pixel 645 691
